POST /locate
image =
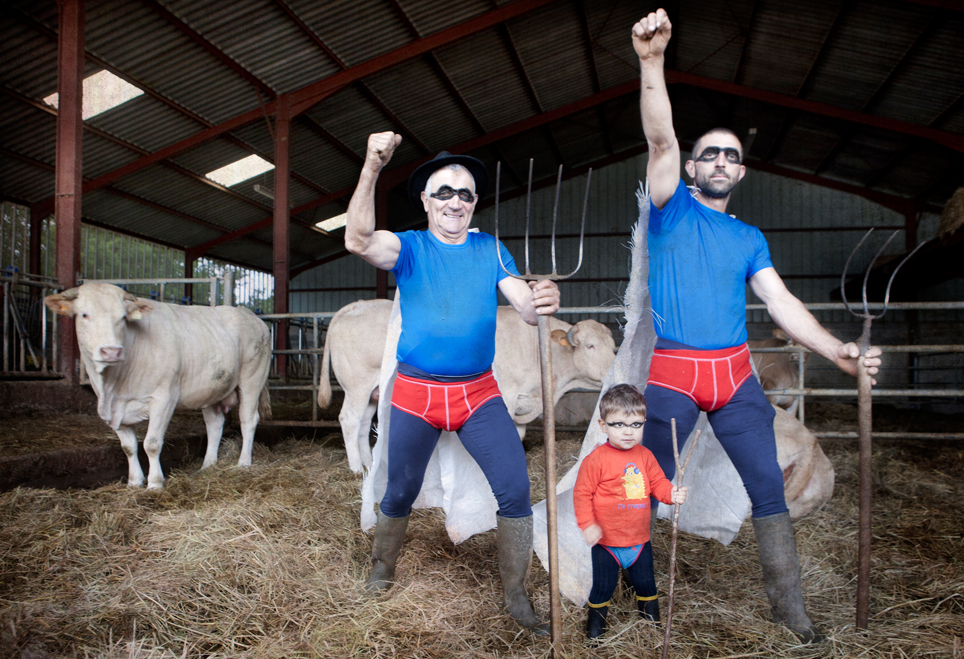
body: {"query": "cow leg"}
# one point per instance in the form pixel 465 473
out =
pixel 214 421
pixel 128 440
pixel 249 417
pixel 160 418
pixel 355 419
pixel 521 429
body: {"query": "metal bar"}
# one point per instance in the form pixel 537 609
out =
pixel 891 435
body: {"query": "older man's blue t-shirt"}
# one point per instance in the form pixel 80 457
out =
pixel 449 302
pixel 699 263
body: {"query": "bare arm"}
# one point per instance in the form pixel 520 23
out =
pixel 789 313
pixel 650 38
pixel 531 299
pixel 380 248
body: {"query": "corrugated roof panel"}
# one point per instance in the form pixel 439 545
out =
pixel 26 183
pixel 351 118
pixel 925 168
pixel 269 32
pixel 493 89
pixel 337 23
pixel 787 36
pixel 709 38
pixel 101 155
pixel 934 76
pixel 431 16
pixel 807 142
pixel 860 56
pixel 143 219
pixel 863 154
pixel 559 75
pixel 320 162
pixel 417 97
pixel 29 59
pixel 146 122
pixel 192 197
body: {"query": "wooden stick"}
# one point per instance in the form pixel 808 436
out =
pixel 680 470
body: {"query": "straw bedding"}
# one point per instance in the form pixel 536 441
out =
pixel 267 562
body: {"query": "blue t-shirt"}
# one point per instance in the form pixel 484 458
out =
pixel 449 301
pixel 699 263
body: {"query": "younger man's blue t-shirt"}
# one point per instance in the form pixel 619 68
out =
pixel 699 262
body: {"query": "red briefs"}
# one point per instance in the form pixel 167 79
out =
pixel 443 405
pixel 709 377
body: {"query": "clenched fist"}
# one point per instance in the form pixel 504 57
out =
pixel 651 34
pixel 381 146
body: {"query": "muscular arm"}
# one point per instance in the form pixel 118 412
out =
pixel 650 38
pixel 789 313
pixel 380 248
pixel 531 299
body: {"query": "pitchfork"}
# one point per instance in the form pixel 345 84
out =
pixel 865 420
pixel 545 367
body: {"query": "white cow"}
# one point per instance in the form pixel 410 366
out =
pixel 778 370
pixel 581 356
pixel 147 359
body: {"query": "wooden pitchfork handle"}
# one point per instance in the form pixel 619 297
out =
pixel 680 469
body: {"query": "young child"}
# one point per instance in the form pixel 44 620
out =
pixel 612 495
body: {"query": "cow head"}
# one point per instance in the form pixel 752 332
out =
pixel 101 313
pixel 592 348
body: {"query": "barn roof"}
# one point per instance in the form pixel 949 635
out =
pixel 866 97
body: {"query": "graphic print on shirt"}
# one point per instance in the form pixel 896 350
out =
pixel 633 482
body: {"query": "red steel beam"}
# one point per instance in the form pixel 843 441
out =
pixel 280 234
pixel 69 168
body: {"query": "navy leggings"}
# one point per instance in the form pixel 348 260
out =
pixel 605 574
pixel 744 427
pixel 490 437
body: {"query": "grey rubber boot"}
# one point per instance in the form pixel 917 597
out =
pixel 389 536
pixel 515 557
pixel 781 572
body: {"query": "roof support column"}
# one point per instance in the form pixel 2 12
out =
pixel 381 223
pixel 69 166
pixel 281 222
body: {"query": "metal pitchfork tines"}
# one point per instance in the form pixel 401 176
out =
pixel 865 420
pixel 545 367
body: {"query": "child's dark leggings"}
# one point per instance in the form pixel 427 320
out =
pixel 605 575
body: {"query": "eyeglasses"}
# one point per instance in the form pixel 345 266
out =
pixel 711 153
pixel 635 425
pixel 445 193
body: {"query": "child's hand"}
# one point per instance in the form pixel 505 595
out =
pixel 679 494
pixel 592 534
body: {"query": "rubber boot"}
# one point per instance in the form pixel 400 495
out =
pixel 596 623
pixel 648 608
pixel 781 573
pixel 389 536
pixel 515 557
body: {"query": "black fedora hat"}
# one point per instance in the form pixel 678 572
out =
pixel 418 179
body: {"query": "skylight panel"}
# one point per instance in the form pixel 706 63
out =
pixel 102 91
pixel 333 223
pixel 240 170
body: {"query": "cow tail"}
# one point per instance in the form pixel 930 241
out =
pixel 264 403
pixel 324 379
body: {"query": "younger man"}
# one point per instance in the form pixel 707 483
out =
pixel 611 498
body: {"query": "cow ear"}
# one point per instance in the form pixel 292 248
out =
pixel 560 337
pixel 137 308
pixel 62 303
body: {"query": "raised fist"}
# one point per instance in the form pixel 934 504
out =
pixel 381 146
pixel 651 34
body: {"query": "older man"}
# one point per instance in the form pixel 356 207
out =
pixel 448 277
pixel 700 261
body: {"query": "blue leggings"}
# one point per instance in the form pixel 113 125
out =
pixel 744 427
pixel 605 574
pixel 490 437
